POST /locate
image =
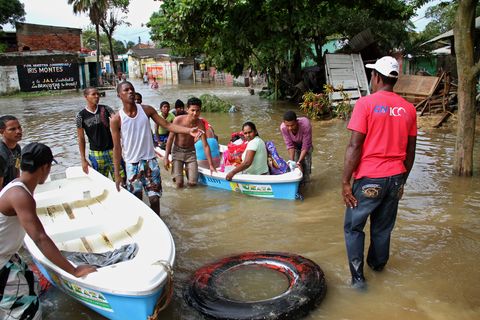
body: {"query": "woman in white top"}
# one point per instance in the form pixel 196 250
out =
pixel 254 158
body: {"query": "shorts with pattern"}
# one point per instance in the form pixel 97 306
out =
pixel 184 157
pixel 102 161
pixel 17 292
pixel 144 174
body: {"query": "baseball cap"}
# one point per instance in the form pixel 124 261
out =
pixel 385 65
pixel 36 154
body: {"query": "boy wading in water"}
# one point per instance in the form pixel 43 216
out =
pixel 94 121
pixel 132 138
pixel 183 151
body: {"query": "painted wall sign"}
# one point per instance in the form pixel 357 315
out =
pixel 48 76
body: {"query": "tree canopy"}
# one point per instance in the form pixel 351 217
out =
pixel 272 33
pixel 89 42
pixel 11 11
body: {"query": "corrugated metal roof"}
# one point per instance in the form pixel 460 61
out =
pixel 449 33
pixel 149 52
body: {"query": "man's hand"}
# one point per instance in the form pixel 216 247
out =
pixel 299 165
pixel 196 133
pixel 83 270
pixel 348 198
pixel 212 169
pixel 229 176
pixel 85 166
pixel 166 163
pixel 118 181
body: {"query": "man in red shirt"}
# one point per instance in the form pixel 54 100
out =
pixel 379 156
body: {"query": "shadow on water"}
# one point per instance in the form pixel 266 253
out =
pixel 433 270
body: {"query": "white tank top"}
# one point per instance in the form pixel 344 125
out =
pixel 11 231
pixel 137 142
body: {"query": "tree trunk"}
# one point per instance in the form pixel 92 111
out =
pixel 99 69
pixel 112 53
pixel 464 47
pixel 318 50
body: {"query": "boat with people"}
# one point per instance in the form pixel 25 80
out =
pixel 282 186
pixel 87 217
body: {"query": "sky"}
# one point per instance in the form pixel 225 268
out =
pixel 59 13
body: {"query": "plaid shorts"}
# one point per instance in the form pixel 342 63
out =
pixel 144 174
pixel 102 161
pixel 17 292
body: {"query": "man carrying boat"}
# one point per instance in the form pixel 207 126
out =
pixel 297 134
pixel 17 217
pixel 379 156
pixel 94 121
pixel 132 138
pixel 11 132
pixel 183 150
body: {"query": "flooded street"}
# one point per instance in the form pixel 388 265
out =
pixel 433 271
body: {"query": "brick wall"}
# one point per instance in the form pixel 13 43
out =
pixel 38 37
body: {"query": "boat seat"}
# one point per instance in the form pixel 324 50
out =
pixel 56 196
pixel 77 228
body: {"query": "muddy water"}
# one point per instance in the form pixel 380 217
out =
pixel 433 271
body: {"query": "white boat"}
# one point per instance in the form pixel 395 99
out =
pixel 85 213
pixel 282 186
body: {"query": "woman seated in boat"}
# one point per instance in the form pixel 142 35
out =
pixel 214 148
pixel 254 158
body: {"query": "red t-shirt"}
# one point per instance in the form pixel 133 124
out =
pixel 387 120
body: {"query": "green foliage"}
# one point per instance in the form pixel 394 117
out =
pixel 319 106
pixel 271 35
pixel 212 103
pixel 316 105
pixel 11 11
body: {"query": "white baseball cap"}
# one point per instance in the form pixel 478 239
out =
pixel 385 66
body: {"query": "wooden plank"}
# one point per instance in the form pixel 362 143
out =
pixel 346 84
pixel 416 85
pixel 359 68
pixel 342 72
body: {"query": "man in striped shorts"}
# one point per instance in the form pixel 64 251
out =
pixel 94 121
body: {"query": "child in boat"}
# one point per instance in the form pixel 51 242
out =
pixel 17 217
pixel 212 143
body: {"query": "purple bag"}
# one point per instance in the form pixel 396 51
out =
pixel 276 163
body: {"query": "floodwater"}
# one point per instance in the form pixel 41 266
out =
pixel 433 272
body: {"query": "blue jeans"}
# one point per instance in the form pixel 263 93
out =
pixel 377 198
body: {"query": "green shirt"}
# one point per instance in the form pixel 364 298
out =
pixel 259 164
pixel 161 130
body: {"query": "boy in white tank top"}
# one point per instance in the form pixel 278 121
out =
pixel 132 139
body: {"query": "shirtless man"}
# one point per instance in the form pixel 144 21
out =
pixel 183 153
pixel 132 137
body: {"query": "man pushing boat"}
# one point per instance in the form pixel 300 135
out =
pixel 17 217
pixel 132 138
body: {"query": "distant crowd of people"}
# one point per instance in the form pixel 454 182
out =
pixel 378 160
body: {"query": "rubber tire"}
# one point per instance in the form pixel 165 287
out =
pixel 307 288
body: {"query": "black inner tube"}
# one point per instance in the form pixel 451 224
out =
pixel 307 288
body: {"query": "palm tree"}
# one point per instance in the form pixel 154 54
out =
pixel 96 10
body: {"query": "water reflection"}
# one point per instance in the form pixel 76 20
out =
pixel 433 271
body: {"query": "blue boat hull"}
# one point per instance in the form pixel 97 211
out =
pixel 116 307
pixel 286 190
